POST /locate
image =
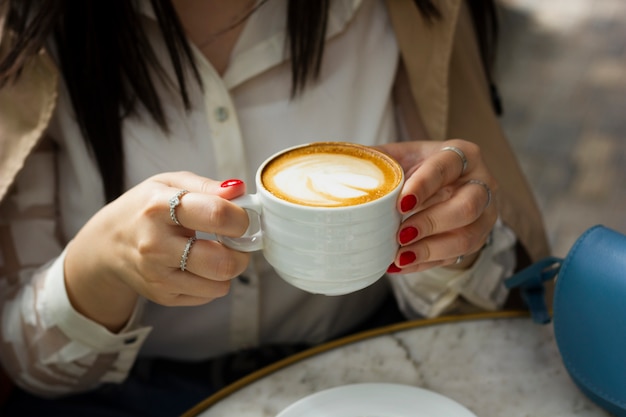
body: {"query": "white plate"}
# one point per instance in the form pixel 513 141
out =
pixel 375 400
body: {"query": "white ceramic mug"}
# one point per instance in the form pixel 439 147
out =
pixel 328 217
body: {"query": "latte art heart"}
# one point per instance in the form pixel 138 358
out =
pixel 331 175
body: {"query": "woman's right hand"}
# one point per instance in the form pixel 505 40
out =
pixel 132 247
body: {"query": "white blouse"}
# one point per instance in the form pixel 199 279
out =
pixel 236 121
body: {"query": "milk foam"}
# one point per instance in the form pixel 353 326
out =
pixel 328 179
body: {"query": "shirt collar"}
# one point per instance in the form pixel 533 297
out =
pixel 261 45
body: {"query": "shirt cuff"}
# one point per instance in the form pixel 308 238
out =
pixel 87 335
pixel 429 293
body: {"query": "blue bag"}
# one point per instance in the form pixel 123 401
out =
pixel 589 312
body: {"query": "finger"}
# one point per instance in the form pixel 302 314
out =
pixel 445 246
pixel 206 258
pixel 213 261
pixel 184 300
pixel 424 266
pixel 211 214
pixel 186 289
pixel 440 169
pixel 228 189
pixel 203 204
pixel 394 269
pixel 464 207
pixel 440 196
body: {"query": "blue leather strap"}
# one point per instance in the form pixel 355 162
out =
pixel 530 281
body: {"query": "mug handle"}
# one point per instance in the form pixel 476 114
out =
pixel 251 240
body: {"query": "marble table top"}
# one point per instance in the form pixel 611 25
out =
pixel 497 364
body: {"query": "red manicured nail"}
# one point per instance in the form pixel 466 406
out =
pixel 231 183
pixel 393 269
pixel 408 203
pixel 407 258
pixel 407 234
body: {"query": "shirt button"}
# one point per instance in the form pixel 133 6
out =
pixel 244 279
pixel 221 114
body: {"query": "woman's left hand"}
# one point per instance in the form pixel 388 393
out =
pixel 448 202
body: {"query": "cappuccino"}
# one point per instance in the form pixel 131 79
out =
pixel 331 174
pixel 324 215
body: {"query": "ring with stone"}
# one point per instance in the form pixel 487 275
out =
pixel 175 202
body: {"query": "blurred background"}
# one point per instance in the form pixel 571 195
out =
pixel 562 77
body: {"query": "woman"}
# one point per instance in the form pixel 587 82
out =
pixel 135 101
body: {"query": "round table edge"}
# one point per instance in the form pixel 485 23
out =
pixel 346 340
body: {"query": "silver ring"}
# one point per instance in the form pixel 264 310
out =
pixel 459 259
pixel 461 155
pixel 486 187
pixel 175 202
pixel 183 259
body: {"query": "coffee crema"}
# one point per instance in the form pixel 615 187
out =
pixel 331 174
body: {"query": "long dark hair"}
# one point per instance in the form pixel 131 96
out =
pixel 108 64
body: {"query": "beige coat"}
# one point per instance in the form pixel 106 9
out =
pixel 446 80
